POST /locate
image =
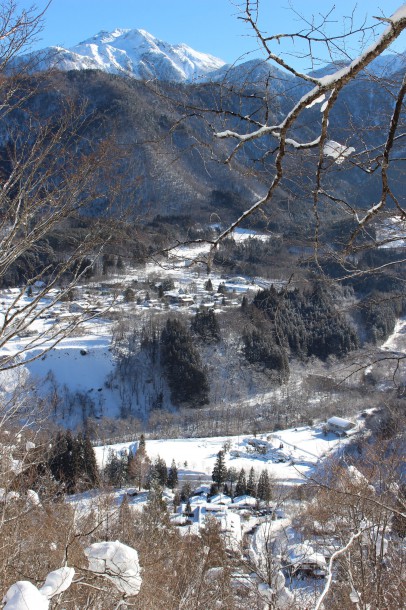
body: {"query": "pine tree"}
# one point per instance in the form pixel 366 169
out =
pixel 251 484
pixel 182 365
pixel 176 501
pixel 56 459
pixel 219 474
pixel 155 510
pixel 185 492
pixel 264 487
pixel 241 487
pixel 116 469
pixel 65 461
pixel 172 481
pixel 159 472
pixel 205 324
pixel 232 476
pixel 141 445
pixel 72 463
pixel 88 470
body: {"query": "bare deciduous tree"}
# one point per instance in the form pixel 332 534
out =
pixel 52 175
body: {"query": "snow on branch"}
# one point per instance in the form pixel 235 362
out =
pixel 23 595
pixel 337 80
pixel 116 562
pixel 336 150
pixel 333 84
pixel 333 557
pixel 113 560
pixel 57 582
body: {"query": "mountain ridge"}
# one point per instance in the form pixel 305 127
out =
pixel 138 54
pixel 131 52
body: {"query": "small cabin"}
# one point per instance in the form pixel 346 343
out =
pixel 305 562
pixel 340 426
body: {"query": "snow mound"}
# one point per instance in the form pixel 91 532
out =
pixel 57 581
pixel 23 595
pixel 117 562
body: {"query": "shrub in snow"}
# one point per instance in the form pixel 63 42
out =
pixel 117 562
pixel 23 595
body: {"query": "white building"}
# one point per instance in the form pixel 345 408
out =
pixel 339 425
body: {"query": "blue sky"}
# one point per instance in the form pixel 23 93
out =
pixel 210 26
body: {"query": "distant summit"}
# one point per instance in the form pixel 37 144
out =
pixel 134 53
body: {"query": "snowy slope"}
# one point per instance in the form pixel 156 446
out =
pixel 134 53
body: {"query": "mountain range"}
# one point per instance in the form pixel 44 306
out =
pixel 129 52
pixel 138 54
pixel 131 79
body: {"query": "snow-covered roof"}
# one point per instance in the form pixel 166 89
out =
pixel 220 499
pixel 244 501
pixel 340 422
pixel 301 554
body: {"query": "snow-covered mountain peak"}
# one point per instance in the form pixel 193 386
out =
pixel 132 52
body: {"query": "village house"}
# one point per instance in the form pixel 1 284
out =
pixel 340 426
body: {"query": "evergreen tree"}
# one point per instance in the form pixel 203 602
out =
pixel 172 481
pixel 208 285
pixel 251 484
pixel 219 474
pixel 155 510
pixel 129 295
pixel 205 325
pixel 87 465
pixel 65 460
pixel 116 469
pixel 241 487
pixel 124 519
pixel 232 476
pixel 264 487
pixel 120 263
pixel 176 501
pixel 72 463
pixel 186 376
pixel 306 322
pixel 185 492
pixel 159 472
pixel 141 444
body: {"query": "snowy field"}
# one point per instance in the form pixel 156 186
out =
pixel 303 448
